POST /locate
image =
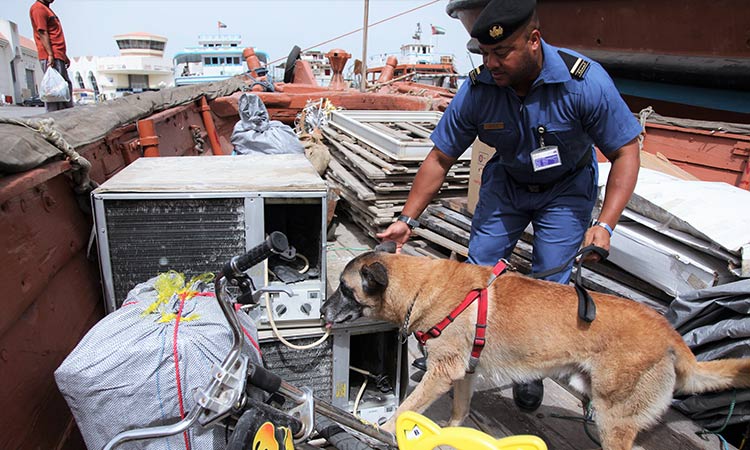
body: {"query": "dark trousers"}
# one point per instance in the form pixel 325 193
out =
pixel 59 65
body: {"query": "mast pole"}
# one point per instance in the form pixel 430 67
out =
pixel 363 84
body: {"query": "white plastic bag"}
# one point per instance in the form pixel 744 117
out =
pixel 54 87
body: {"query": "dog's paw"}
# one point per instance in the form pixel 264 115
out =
pixel 455 422
pixel 390 425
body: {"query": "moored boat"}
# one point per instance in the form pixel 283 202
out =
pixel 418 62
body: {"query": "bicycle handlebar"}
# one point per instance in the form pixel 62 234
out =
pixel 275 243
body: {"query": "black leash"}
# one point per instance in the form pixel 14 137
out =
pixel 586 305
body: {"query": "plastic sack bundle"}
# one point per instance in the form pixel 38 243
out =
pixel 255 133
pixel 122 375
pixel 54 88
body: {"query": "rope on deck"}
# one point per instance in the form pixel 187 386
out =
pixel 724 445
pixel 46 127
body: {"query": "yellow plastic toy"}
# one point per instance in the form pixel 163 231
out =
pixel 416 432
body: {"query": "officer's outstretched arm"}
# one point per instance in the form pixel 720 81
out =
pixel 620 185
pixel 427 182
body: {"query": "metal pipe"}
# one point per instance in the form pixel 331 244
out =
pixel 208 122
pixel 340 416
pixel 147 138
pixel 363 84
pixel 745 178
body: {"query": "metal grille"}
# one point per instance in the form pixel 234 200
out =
pixel 191 236
pixel 312 368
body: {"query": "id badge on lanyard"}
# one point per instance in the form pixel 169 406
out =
pixel 546 156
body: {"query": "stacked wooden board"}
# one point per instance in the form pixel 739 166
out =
pixel 375 159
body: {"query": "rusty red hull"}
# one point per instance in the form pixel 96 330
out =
pixel 662 53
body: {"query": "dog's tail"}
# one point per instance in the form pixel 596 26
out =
pixel 694 377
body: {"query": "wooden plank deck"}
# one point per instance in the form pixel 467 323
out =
pixel 493 410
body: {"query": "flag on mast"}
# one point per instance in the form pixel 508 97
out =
pixel 222 25
pixel 437 30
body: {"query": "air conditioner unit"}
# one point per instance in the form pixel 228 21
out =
pixel 334 369
pixel 193 214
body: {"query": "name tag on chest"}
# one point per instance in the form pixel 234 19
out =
pixel 545 157
pixel 493 126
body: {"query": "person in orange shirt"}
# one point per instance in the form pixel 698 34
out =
pixel 50 44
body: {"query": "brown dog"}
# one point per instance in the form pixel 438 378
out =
pixel 629 360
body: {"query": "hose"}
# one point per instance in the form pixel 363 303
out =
pixel 277 333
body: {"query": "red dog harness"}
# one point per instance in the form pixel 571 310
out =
pixel 481 326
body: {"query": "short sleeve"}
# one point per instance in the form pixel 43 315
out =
pixel 457 129
pixel 606 118
pixel 39 19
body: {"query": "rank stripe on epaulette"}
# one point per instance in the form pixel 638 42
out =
pixel 576 66
pixel 474 74
pixel 580 68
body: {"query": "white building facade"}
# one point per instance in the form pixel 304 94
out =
pixel 20 70
pixel 140 67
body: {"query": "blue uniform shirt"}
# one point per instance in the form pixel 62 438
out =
pixel 575 114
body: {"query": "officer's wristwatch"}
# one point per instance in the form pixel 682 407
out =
pixel 412 223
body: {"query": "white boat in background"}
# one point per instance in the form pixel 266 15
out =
pixel 217 57
pixel 319 64
pixel 419 59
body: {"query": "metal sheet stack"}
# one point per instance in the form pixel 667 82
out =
pixel 376 155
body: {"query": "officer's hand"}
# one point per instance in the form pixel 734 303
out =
pixel 398 232
pixel 599 237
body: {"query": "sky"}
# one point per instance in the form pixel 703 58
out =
pixel 272 26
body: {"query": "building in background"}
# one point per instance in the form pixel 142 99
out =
pixel 217 57
pixel 141 66
pixel 20 70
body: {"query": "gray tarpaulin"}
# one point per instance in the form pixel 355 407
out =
pixel 715 324
pixel 24 149
pixel 256 133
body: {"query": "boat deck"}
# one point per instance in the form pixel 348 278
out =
pixel 558 421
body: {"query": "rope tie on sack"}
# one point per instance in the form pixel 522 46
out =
pixel 46 127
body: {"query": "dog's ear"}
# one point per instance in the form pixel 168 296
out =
pixel 386 246
pixel 374 278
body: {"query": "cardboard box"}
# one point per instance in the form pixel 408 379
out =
pixel 480 154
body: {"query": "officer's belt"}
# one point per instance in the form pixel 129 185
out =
pixel 543 187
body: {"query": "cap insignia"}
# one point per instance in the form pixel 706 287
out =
pixel 496 31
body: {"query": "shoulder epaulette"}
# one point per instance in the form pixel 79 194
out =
pixel 576 66
pixel 474 74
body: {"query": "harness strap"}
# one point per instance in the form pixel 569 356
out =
pixel 586 305
pixel 481 325
pixel 436 330
pixel 481 329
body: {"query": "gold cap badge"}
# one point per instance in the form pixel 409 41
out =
pixel 496 31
